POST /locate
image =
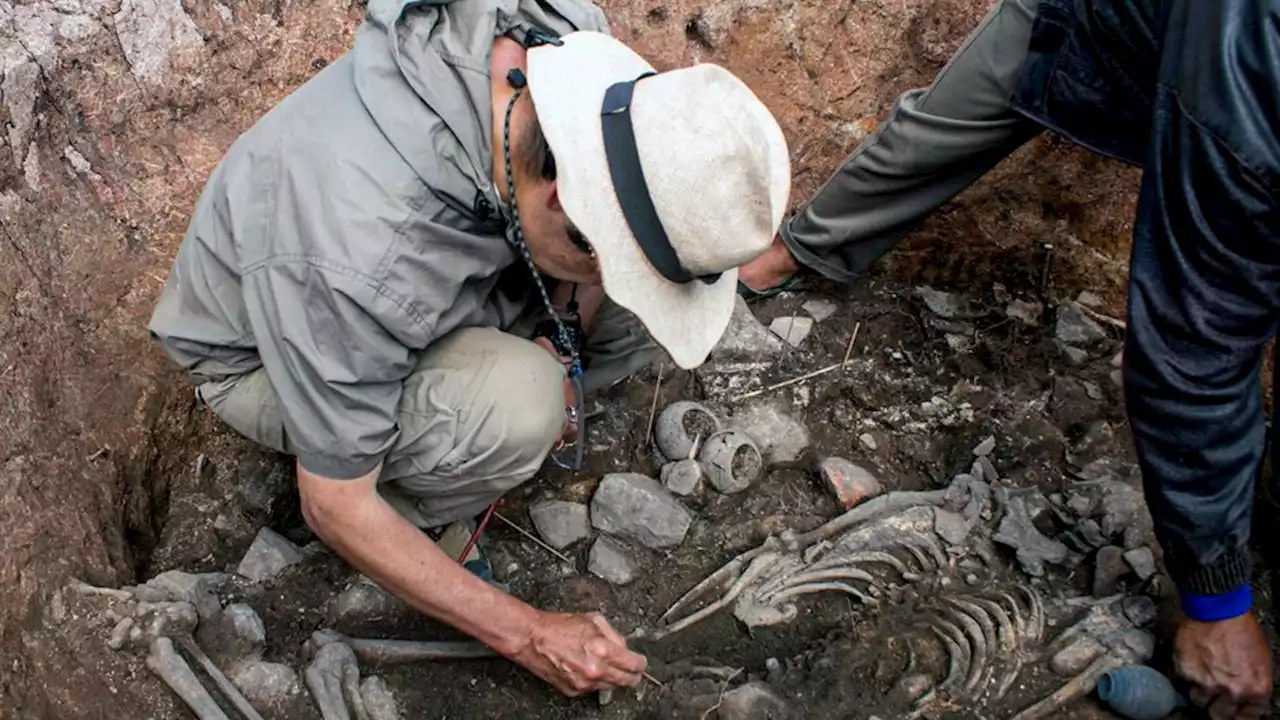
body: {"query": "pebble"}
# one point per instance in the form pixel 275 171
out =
pixel 1124 512
pixel 682 477
pixel 1081 505
pixel 1142 560
pixel 611 561
pixel 237 633
pixel 752 701
pixel 1091 532
pixel 561 523
pixel 1074 356
pixel 850 484
pixel 985 447
pixel 1025 312
pixel 780 437
pixel 1109 567
pixel 379 703
pixel 819 309
pixel 1076 328
pixel 637 507
pixel 1090 298
pixel 971 579
pixel 362 603
pixel 868 441
pixel 793 329
pixel 984 470
pixel 268 556
pixel 745 337
pixel 265 684
pixel 959 343
pixel 1092 390
pixel 942 304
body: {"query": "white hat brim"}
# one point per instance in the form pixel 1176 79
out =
pixel 568 85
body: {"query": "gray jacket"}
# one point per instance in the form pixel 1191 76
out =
pixel 355 224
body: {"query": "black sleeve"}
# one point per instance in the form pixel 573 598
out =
pixel 1205 288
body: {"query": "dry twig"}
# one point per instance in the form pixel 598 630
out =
pixel 1107 319
pixel 852 339
pixel 533 537
pixel 653 407
pixel 720 702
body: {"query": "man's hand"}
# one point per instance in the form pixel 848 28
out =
pixel 578 654
pixel 1228 664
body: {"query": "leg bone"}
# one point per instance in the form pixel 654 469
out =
pixel 228 688
pixel 169 666
pixel 1078 687
pixel 395 652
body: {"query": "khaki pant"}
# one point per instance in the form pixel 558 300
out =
pixel 478 416
pixel 938 141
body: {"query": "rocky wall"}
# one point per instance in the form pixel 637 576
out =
pixel 114 112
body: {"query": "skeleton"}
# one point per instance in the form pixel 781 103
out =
pixel 911 543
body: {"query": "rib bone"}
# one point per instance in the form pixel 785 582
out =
pixel 169 666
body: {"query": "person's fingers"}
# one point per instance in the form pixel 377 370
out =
pixel 1201 696
pixel 1224 708
pixel 606 629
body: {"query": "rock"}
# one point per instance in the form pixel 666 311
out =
pixel 1072 406
pixel 753 701
pixel 1109 567
pixel 971 579
pixel 269 555
pixel 1092 390
pixel 265 684
pixel 363 603
pixel 1025 312
pixel 1140 610
pixel 1117 378
pixel 745 338
pixel 850 484
pixel 731 461
pixel 985 447
pixel 793 329
pixel 1074 356
pixel 561 523
pixel 152 30
pixel 950 526
pixel 1018 531
pixel 1081 505
pixel 379 703
pixel 868 441
pixel 610 560
pixel 237 633
pixel 819 309
pixel 637 507
pixel 1142 560
pixel 1124 512
pixel 959 343
pixel 1092 299
pixel 779 437
pixel 682 477
pixel 1076 328
pixel 984 470
pixel 176 586
pixel 1091 533
pixel 943 304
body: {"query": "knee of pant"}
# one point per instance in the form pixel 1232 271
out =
pixel 526 395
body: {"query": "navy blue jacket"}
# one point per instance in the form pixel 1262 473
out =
pixel 1190 91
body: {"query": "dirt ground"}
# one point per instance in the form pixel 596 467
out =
pixel 107 145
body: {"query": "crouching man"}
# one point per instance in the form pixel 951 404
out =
pixel 406 274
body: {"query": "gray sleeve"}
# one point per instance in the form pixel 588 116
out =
pixel 328 340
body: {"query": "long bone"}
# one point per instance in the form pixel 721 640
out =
pixel 169 666
pixel 332 674
pixel 1076 688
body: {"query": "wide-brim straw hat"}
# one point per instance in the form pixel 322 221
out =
pixel 705 182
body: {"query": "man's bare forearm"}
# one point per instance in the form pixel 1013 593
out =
pixel 352 519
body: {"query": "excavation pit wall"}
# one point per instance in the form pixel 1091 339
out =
pixel 108 141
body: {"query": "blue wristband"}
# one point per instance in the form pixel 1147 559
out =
pixel 1212 608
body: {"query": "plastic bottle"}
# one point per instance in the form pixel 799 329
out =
pixel 1139 693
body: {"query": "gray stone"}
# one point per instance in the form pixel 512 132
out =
pixel 1081 505
pixel 1140 610
pixel 1018 531
pixel 943 304
pixel 610 560
pixel 984 470
pixel 950 526
pixel 959 343
pixel 819 309
pixel 237 633
pixel 269 555
pixel 1074 356
pixel 150 31
pixel 745 337
pixel 985 447
pixel 753 701
pixel 1124 512
pixel 793 329
pixel 637 507
pixel 1091 533
pixel 1108 568
pixel 780 437
pixel 265 684
pixel 363 603
pixel 868 441
pixel 682 477
pixel 1142 560
pixel 1092 390
pixel 379 703
pixel 1074 327
pixel 1025 312
pixel 561 523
